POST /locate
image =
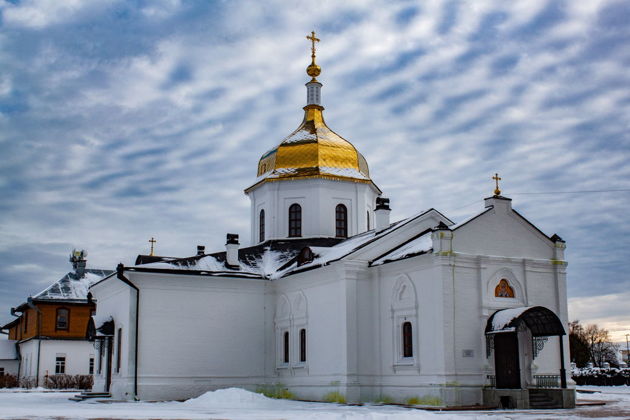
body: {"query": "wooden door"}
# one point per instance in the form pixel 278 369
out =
pixel 506 362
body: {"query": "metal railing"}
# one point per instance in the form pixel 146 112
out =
pixel 491 381
pixel 547 381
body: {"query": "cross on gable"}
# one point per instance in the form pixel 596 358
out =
pixel 152 241
pixel 496 178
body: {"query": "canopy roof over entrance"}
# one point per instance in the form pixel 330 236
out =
pixel 540 320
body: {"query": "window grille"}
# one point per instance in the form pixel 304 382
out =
pixel 295 221
pixel 303 345
pixel 261 226
pixel 286 347
pixel 407 336
pixel 341 221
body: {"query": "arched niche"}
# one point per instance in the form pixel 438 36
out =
pixel 300 306
pixel 283 308
pixel 404 294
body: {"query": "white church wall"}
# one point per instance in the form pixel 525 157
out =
pixel 318 199
pixel 116 300
pixel 501 232
pixel 210 332
pixel 409 290
pixel 322 315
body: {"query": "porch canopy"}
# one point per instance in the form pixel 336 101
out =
pixel 541 321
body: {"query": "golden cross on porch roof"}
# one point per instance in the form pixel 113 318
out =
pixel 313 40
pixel 152 241
pixel 496 178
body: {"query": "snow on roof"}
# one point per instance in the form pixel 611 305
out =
pixel 265 265
pixel 333 253
pixel 421 244
pixel 273 264
pixel 7 350
pixel 502 318
pixel 71 287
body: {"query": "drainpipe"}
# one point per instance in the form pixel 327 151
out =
pixel 29 302
pixel 121 276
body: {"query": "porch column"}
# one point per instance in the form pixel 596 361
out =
pixel 563 372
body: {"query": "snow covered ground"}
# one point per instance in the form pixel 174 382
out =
pixel 239 404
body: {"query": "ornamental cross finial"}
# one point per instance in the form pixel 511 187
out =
pixel 313 40
pixel 496 178
pixel 152 241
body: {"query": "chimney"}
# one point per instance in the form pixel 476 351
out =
pixel 79 261
pixel 231 250
pixel 381 213
pixel 442 240
pixel 201 249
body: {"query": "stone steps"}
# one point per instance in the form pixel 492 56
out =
pixel 88 395
pixel 538 399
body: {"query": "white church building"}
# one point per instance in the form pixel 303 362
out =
pixel 332 297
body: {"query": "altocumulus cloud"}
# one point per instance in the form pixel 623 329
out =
pixel 125 120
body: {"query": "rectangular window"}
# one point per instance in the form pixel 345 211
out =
pixel 1 371
pixel 60 365
pixel 119 350
pixel 303 345
pixel 286 347
pixel 91 370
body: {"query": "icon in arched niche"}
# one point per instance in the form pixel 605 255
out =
pixel 504 289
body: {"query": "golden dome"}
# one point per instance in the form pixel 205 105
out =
pixel 313 151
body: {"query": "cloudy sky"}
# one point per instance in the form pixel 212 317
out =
pixel 123 120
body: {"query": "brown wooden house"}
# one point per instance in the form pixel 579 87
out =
pixel 51 328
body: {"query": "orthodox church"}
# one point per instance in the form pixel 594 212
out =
pixel 332 297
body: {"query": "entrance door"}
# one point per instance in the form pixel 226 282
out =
pixel 506 364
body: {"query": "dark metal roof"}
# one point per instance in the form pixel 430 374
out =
pixel 541 321
pixel 249 255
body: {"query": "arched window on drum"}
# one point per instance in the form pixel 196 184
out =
pixel 341 221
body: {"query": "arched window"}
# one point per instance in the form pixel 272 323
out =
pixel 286 347
pixel 303 345
pixel 295 221
pixel 341 221
pixel 407 336
pixel 261 226
pixel 504 289
pixel 63 316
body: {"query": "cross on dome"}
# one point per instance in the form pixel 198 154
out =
pixel 313 69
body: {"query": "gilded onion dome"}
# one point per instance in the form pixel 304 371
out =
pixel 313 150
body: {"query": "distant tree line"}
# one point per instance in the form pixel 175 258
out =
pixel 592 344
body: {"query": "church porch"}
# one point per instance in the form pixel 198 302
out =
pixel 509 333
